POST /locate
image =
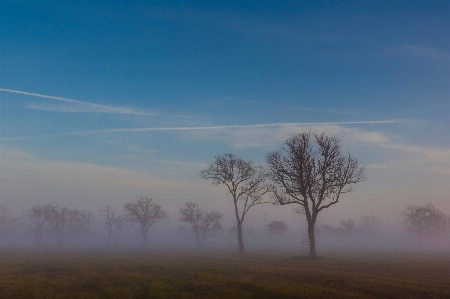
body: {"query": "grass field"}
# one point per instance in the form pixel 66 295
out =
pixel 220 274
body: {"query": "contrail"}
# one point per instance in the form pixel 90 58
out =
pixel 153 129
pixel 45 96
pixel 94 107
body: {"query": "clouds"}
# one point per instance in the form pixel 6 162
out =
pixel 84 108
pixel 428 52
pixel 27 180
pixel 218 129
pixel 381 149
pixel 378 148
pixel 74 106
pixel 419 52
pixel 268 135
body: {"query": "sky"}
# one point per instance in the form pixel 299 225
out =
pixel 101 102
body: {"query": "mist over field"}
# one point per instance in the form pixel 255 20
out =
pixel 224 149
pixel 348 235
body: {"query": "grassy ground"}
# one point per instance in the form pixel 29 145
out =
pixel 220 274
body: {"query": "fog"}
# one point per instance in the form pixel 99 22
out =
pixel 349 235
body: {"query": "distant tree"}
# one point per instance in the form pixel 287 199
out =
pixel 370 224
pixel 112 220
pixel 348 225
pixel 199 219
pixel 424 219
pixel 327 229
pixel 144 212
pixel 217 228
pixel 245 182
pixel 277 227
pixel 4 220
pixel 63 221
pixel 8 223
pixel 312 171
pixel 82 221
pixel 39 216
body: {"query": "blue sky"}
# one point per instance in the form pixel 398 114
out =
pixel 374 73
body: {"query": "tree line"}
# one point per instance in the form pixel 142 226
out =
pixel 310 172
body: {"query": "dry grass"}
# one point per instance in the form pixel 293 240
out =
pixel 219 274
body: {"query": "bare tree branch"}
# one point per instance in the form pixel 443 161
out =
pixel 144 212
pixel 311 171
pixel 245 182
pixel 199 219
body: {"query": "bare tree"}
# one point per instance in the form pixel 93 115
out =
pixel 81 222
pixel 63 221
pixel 144 212
pixel 112 219
pixel 245 182
pixel 39 216
pixel 311 171
pixel 425 219
pixel 199 219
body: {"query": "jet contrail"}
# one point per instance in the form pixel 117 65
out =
pixel 93 106
pixel 45 96
pixel 153 129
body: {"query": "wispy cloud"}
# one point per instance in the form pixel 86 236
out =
pixel 227 100
pixel 418 52
pixel 267 136
pixel 398 155
pixel 204 128
pixel 318 110
pixel 96 185
pixel 428 52
pixel 424 153
pixel 75 106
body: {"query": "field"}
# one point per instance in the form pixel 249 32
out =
pixel 220 274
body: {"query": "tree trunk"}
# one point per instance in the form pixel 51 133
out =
pixel 197 236
pixel 109 236
pixel 38 238
pixel 144 233
pixel 312 241
pixel 240 238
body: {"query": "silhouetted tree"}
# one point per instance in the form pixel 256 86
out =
pixel 424 219
pixel 112 219
pixel 277 227
pixel 311 171
pixel 39 216
pixel 144 212
pixel 199 219
pixel 245 182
